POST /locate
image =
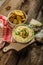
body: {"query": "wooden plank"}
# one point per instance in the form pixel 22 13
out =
pixel 40 16
pixel 12 59
pixel 4 57
pixel 34 9
pixel 13 3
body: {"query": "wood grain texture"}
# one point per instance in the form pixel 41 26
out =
pixel 33 54
pixel 4 57
pixel 34 9
pixel 13 3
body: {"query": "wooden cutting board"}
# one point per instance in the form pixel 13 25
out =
pixel 17 46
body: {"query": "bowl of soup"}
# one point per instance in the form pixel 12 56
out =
pixel 22 34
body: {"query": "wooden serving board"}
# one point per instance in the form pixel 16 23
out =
pixel 17 46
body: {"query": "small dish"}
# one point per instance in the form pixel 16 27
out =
pixel 16 17
pixel 22 34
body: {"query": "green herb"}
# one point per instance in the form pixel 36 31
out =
pixel 24 33
pixel 17 33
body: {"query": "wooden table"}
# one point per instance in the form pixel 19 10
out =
pixel 33 54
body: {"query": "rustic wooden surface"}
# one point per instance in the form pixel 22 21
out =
pixel 32 55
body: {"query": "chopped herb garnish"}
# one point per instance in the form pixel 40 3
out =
pixel 17 33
